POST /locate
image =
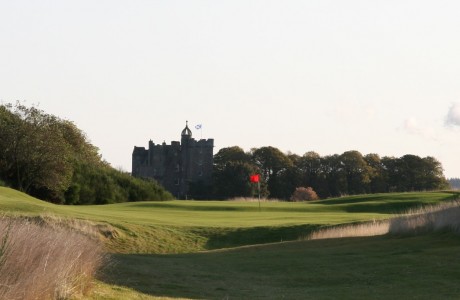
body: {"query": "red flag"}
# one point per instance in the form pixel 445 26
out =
pixel 254 178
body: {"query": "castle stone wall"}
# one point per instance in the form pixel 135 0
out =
pixel 176 166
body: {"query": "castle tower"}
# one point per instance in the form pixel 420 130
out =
pixel 186 149
pixel 186 133
pixel 178 166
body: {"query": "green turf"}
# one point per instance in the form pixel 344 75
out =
pixel 422 267
pixel 190 226
pixel 419 267
pixel 230 214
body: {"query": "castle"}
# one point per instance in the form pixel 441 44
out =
pixel 176 166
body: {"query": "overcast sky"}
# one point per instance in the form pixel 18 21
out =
pixel 326 76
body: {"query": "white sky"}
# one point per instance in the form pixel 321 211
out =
pixel 326 76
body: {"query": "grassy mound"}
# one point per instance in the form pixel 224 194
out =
pixel 160 248
pixel 419 267
pixel 190 226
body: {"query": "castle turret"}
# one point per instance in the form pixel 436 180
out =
pixel 186 133
pixel 186 147
pixel 177 166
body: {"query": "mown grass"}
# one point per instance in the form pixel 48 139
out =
pixel 190 226
pixel 162 249
pixel 420 267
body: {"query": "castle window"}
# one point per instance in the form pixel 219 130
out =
pixel 200 173
pixel 176 181
pixel 177 167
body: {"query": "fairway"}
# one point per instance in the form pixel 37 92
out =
pixel 234 250
pixel 189 226
pixel 180 213
pixel 426 267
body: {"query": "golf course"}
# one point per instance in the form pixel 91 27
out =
pixel 251 250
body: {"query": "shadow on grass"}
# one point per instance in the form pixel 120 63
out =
pixel 353 268
pixel 393 204
pixel 187 207
pixel 396 197
pixel 183 275
pixel 236 237
pixel 391 207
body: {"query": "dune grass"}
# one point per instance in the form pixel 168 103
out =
pixel 443 217
pixel 43 262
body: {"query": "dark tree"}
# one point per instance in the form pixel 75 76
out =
pixel 34 153
pixel 272 163
pixel 284 184
pixel 52 159
pixel 333 177
pixel 357 172
pixel 233 181
pixel 378 174
pixel 433 174
pixel 310 167
pixel 230 154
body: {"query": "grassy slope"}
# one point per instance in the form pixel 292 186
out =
pixel 190 226
pixel 363 268
pixel 423 267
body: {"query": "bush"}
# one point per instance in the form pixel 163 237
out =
pixel 304 194
pixel 102 184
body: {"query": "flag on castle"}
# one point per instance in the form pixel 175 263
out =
pixel 200 128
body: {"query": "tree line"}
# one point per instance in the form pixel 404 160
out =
pixel 349 173
pixel 50 158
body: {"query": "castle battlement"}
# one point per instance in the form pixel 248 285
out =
pixel 178 165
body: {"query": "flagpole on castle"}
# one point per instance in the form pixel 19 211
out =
pixel 200 127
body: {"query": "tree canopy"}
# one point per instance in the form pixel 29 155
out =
pixel 330 175
pixel 34 154
pixel 52 159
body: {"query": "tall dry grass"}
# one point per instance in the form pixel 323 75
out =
pixel 354 230
pixel 38 261
pixel 442 217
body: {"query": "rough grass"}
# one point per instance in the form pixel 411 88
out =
pixel 443 217
pixel 45 262
pixel 428 219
